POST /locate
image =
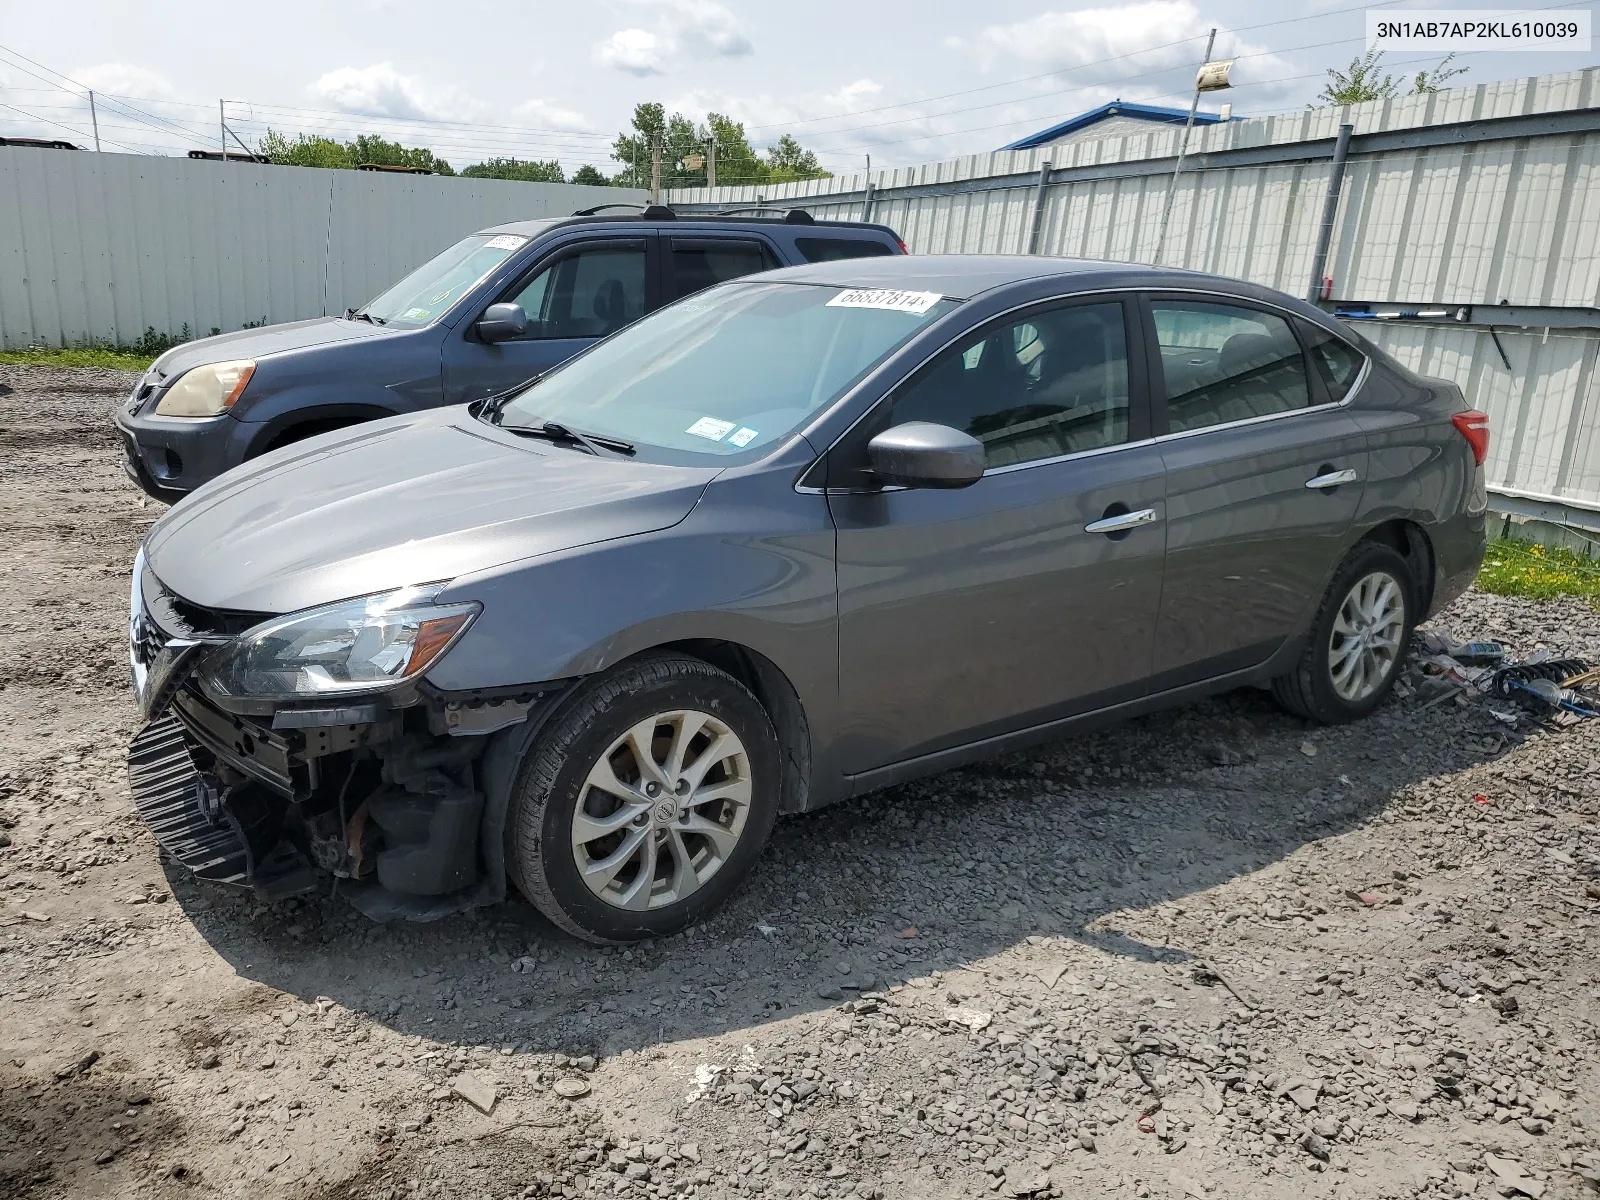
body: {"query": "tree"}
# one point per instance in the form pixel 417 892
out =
pixel 308 150
pixel 516 168
pixel 787 160
pixel 1434 80
pixel 737 162
pixel 1362 81
pixel 591 176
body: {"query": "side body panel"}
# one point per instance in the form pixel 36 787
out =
pixel 969 613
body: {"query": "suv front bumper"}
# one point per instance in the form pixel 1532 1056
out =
pixel 171 456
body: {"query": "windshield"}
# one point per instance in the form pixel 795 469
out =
pixel 429 291
pixel 729 370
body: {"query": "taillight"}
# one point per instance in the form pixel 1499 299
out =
pixel 903 249
pixel 1474 426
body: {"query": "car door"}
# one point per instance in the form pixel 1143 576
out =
pixel 692 263
pixel 1264 477
pixel 1031 595
pixel 574 296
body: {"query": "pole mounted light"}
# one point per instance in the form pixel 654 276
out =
pixel 1211 77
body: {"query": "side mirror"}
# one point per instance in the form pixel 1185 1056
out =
pixel 920 454
pixel 500 322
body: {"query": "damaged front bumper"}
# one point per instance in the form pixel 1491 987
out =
pixel 400 808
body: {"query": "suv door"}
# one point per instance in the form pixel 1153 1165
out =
pixel 1031 595
pixel 1264 477
pixel 695 262
pixel 575 295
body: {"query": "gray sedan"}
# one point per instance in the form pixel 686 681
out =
pixel 798 537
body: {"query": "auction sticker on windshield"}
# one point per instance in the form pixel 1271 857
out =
pixel 710 427
pixel 894 301
pixel 506 241
pixel 744 437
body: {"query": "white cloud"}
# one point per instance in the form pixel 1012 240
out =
pixel 1163 34
pixel 852 96
pixel 124 79
pixel 546 114
pixel 382 91
pixel 636 51
pixel 697 29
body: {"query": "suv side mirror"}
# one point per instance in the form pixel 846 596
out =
pixel 501 322
pixel 920 454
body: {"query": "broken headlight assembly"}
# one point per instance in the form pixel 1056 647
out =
pixel 366 645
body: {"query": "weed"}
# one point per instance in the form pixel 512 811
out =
pixel 1538 572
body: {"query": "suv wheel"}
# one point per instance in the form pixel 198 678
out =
pixel 645 802
pixel 1358 639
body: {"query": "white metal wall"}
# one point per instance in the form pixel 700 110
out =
pixel 100 247
pixel 1476 222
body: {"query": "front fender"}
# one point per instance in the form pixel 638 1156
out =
pixel 752 565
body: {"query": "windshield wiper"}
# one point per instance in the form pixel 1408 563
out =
pixel 491 407
pixel 351 314
pixel 591 442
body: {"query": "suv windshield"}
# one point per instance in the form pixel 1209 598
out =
pixel 730 369
pixel 422 296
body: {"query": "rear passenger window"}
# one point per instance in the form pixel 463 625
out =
pixel 698 263
pixel 1054 383
pixel 1223 364
pixel 833 249
pixel 1335 360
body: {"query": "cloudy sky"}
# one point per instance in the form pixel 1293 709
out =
pixel 902 80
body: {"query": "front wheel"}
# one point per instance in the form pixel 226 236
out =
pixel 1357 640
pixel 645 802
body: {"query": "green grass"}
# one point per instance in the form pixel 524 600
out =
pixel 77 357
pixel 1538 572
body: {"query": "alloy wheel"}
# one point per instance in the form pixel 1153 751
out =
pixel 662 810
pixel 1367 633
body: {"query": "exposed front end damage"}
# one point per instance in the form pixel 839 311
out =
pixel 397 801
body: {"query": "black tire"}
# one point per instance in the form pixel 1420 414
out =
pixel 1308 691
pixel 551 780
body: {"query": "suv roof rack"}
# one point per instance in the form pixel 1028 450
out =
pixel 650 212
pixel 791 216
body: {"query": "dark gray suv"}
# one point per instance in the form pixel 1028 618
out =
pixel 792 539
pixel 490 312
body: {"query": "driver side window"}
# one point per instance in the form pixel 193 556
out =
pixel 1052 383
pixel 589 293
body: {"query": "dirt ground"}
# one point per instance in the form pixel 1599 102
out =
pixel 1212 953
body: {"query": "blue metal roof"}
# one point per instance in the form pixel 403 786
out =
pixel 1117 108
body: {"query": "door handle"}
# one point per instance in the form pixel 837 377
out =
pixel 1121 522
pixel 1332 479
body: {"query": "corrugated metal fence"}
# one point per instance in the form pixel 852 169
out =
pixel 101 247
pixel 1481 196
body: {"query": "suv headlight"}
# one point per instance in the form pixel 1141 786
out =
pixel 365 645
pixel 207 391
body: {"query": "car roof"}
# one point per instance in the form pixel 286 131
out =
pixel 534 228
pixel 965 275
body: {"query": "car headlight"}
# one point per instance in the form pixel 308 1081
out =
pixel 365 645
pixel 207 391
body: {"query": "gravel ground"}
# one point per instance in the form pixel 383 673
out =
pixel 1211 953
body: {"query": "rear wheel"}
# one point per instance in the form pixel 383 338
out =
pixel 645 802
pixel 1358 639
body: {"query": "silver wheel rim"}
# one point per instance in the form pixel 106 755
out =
pixel 662 810
pixel 1367 636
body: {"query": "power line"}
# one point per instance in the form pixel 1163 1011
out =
pixel 57 124
pixel 131 110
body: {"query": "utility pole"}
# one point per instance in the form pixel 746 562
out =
pixel 1204 81
pixel 222 126
pixel 94 119
pixel 711 161
pixel 655 169
pixel 1330 210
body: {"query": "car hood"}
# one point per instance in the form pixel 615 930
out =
pixel 407 500
pixel 269 339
